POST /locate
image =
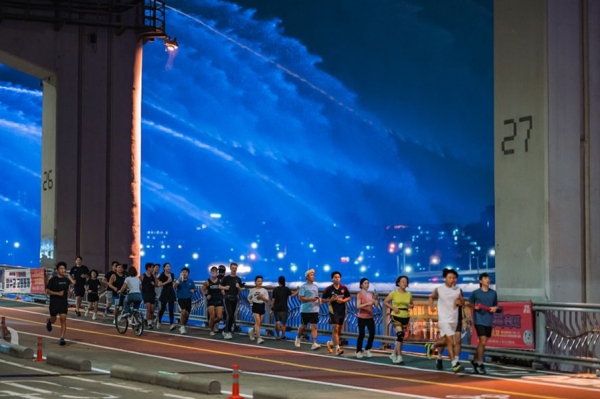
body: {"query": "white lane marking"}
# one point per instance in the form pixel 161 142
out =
pixel 28 367
pixel 170 395
pixel 25 387
pixel 126 387
pixel 80 379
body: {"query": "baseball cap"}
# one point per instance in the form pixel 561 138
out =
pixel 309 271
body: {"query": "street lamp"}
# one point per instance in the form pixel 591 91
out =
pixel 407 251
pixel 492 253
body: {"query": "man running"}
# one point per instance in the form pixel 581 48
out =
pixel 337 295
pixel 485 302
pixel 79 274
pixel 184 287
pixel 279 306
pixel 109 293
pixel 449 298
pixel 149 284
pixel 58 289
pixel 309 308
pixel 231 286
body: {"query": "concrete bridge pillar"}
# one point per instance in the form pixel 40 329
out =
pixel 547 149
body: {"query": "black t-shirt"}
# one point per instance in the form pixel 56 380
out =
pixel 213 290
pixel 230 281
pixel 167 293
pixel 93 285
pixel 77 273
pixel 341 292
pixel 118 283
pixel 280 296
pixel 58 284
pixel 147 284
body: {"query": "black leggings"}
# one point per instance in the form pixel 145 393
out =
pixel 370 324
pixel 163 307
pixel 230 305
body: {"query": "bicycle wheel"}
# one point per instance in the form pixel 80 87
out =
pixel 137 323
pixel 121 323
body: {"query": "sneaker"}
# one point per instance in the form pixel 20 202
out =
pixel 482 369
pixel 87 311
pixel 393 357
pixel 182 330
pixel 77 313
pixel 251 334
pixel 315 346
pixel 149 327
pixel 105 313
pixel 94 316
pixel 158 325
pixel 172 327
pixel 228 336
pixel 438 364
pixel 359 355
pixel 329 347
pixel 340 352
pixel 475 366
pixel 260 341
pixel 458 367
pixel 368 353
pixel 296 343
pixel 61 342
pixel 48 325
pixel 211 333
pixel 399 359
pixel 428 350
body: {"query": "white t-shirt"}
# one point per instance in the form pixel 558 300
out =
pixel 447 309
pixel 254 294
pixel 133 283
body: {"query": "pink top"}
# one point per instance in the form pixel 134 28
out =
pixel 367 311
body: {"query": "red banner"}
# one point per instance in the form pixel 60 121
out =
pixel 38 281
pixel 513 327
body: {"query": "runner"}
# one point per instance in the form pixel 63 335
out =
pixel 157 290
pixel 116 283
pixel 279 306
pixel 109 293
pixel 184 287
pixel 485 302
pixel 167 296
pixel 214 300
pixel 449 299
pixel 364 303
pixel 149 284
pixel 79 274
pixel 231 285
pixel 91 287
pixel 258 296
pixel 58 289
pixel 399 301
pixel 337 295
pixel 309 308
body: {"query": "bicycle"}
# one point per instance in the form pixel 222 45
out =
pixel 135 318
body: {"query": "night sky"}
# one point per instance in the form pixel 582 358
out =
pixel 307 124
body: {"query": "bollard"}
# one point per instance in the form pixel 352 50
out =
pixel 39 357
pixel 235 388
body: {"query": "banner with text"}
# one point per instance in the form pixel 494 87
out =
pixel 513 327
pixel 24 281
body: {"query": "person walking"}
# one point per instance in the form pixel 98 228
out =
pixel 258 297
pixel 309 309
pixel 365 301
pixel 58 289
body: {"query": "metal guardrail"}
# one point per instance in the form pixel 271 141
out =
pixel 567 333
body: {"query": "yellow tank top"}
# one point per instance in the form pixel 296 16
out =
pixel 401 302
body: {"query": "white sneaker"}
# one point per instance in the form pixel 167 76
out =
pixel 399 359
pixel 211 333
pixel 297 342
pixel 158 325
pixel 182 330
pixel 251 334
pixel 94 316
pixel 260 341
pixel 368 353
pixel 315 346
pixel 228 336
pixel 87 311
pixel 393 357
pixel 359 355
pixel 172 327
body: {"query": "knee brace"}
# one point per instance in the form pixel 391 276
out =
pixel 400 336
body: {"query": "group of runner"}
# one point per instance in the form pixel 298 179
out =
pixel 222 292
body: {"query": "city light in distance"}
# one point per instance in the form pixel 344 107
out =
pixel 280 255
pixel 294 268
pixel 215 215
pixel 252 256
pixel 17 244
pixel 195 256
pixel 326 268
pixel 254 245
